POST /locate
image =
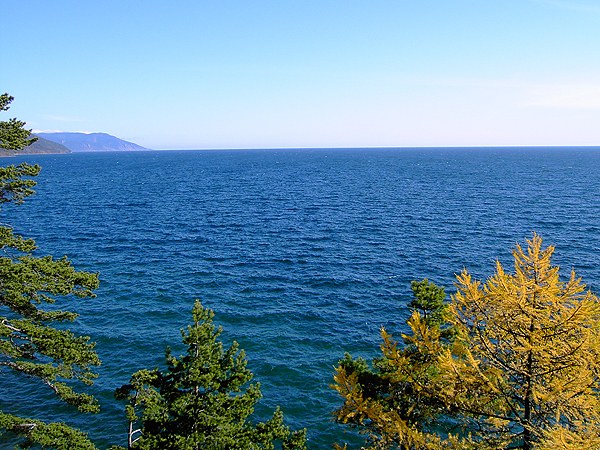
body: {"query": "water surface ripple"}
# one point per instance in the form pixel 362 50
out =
pixel 303 254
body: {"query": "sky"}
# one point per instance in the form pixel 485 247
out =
pixel 306 73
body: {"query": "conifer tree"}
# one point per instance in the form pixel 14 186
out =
pixel 35 342
pixel 202 400
pixel 521 370
pixel 13 134
pixel 390 401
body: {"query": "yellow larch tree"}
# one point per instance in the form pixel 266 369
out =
pixel 527 357
pixel 520 371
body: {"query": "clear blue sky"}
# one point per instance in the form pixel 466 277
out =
pixel 304 73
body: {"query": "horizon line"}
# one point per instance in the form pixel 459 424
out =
pixel 382 147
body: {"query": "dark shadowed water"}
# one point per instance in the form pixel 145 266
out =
pixel 303 254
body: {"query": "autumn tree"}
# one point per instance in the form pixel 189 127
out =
pixel 390 400
pixel 202 399
pixel 520 371
pixel 35 342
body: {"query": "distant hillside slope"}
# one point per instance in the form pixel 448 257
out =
pixel 92 142
pixel 40 146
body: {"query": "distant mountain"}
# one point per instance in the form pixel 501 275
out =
pixel 40 146
pixel 91 142
pixel 45 146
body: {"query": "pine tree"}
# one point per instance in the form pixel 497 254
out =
pixel 34 341
pixel 13 135
pixel 202 400
pixel 521 369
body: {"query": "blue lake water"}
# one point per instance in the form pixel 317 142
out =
pixel 303 254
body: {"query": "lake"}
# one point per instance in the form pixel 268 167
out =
pixel 302 254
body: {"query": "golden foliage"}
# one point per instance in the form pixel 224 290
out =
pixel 529 347
pixel 522 369
pixel 560 438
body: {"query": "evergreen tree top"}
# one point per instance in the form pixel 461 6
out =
pixel 204 398
pixel 31 346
